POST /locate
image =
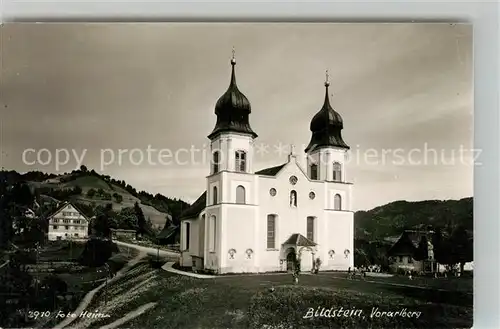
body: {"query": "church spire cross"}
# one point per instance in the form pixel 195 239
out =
pixel 233 59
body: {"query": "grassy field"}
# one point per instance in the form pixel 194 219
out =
pixel 247 302
pixel 62 251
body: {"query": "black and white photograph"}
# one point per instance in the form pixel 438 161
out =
pixel 236 175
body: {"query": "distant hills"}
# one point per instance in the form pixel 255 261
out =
pixel 386 222
pixel 383 223
pixel 93 189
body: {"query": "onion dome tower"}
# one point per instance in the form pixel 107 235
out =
pixel 233 110
pixel 326 126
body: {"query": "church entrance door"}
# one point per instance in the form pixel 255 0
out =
pixel 290 261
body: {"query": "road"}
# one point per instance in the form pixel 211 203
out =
pixel 149 250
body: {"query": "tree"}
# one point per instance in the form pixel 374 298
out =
pixel 462 251
pixel 141 220
pixel 77 190
pixel 14 202
pixel 91 193
pixel 118 197
pixel 104 220
pixel 422 252
pixel 83 168
pixel 127 219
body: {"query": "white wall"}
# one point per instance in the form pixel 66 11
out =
pixel 228 144
pixel 239 235
pixel 233 180
pixel 337 235
pixel 212 259
pixel 194 240
pixel 324 158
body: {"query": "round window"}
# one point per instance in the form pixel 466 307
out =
pixel 272 192
pixel 312 195
pixel 293 180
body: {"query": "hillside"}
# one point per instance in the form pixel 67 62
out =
pixel 388 221
pixel 75 186
pixel 383 223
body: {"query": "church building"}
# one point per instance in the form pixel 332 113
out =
pixel 251 221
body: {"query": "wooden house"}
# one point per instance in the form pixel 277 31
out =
pixel 413 250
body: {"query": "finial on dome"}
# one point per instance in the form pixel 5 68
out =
pixel 327 82
pixel 233 60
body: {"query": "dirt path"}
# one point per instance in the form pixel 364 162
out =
pixel 129 316
pixel 88 298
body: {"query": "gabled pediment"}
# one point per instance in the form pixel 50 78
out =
pixel 291 167
pixel 68 207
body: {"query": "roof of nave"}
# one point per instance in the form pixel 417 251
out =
pixel 272 171
pixel 196 208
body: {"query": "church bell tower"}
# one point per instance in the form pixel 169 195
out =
pixel 232 139
pixel 327 151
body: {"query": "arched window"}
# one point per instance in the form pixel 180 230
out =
pixel 240 194
pixel 215 195
pixel 271 231
pixel 212 233
pixel 337 202
pixel 215 162
pixel 293 198
pixel 337 172
pixel 314 171
pixel 240 161
pixel 187 235
pixel 310 228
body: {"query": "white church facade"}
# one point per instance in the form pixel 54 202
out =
pixel 250 221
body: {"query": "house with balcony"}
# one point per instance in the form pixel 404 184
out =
pixel 68 222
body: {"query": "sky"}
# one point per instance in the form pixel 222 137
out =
pixel 92 93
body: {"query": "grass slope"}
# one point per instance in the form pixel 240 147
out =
pixel 246 302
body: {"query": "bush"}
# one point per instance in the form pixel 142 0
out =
pixel 97 252
pixel 156 264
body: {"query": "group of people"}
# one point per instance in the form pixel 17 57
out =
pixel 351 274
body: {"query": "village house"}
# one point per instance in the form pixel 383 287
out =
pixel 265 220
pixel 67 222
pixel 169 236
pixel 117 234
pixel 407 255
